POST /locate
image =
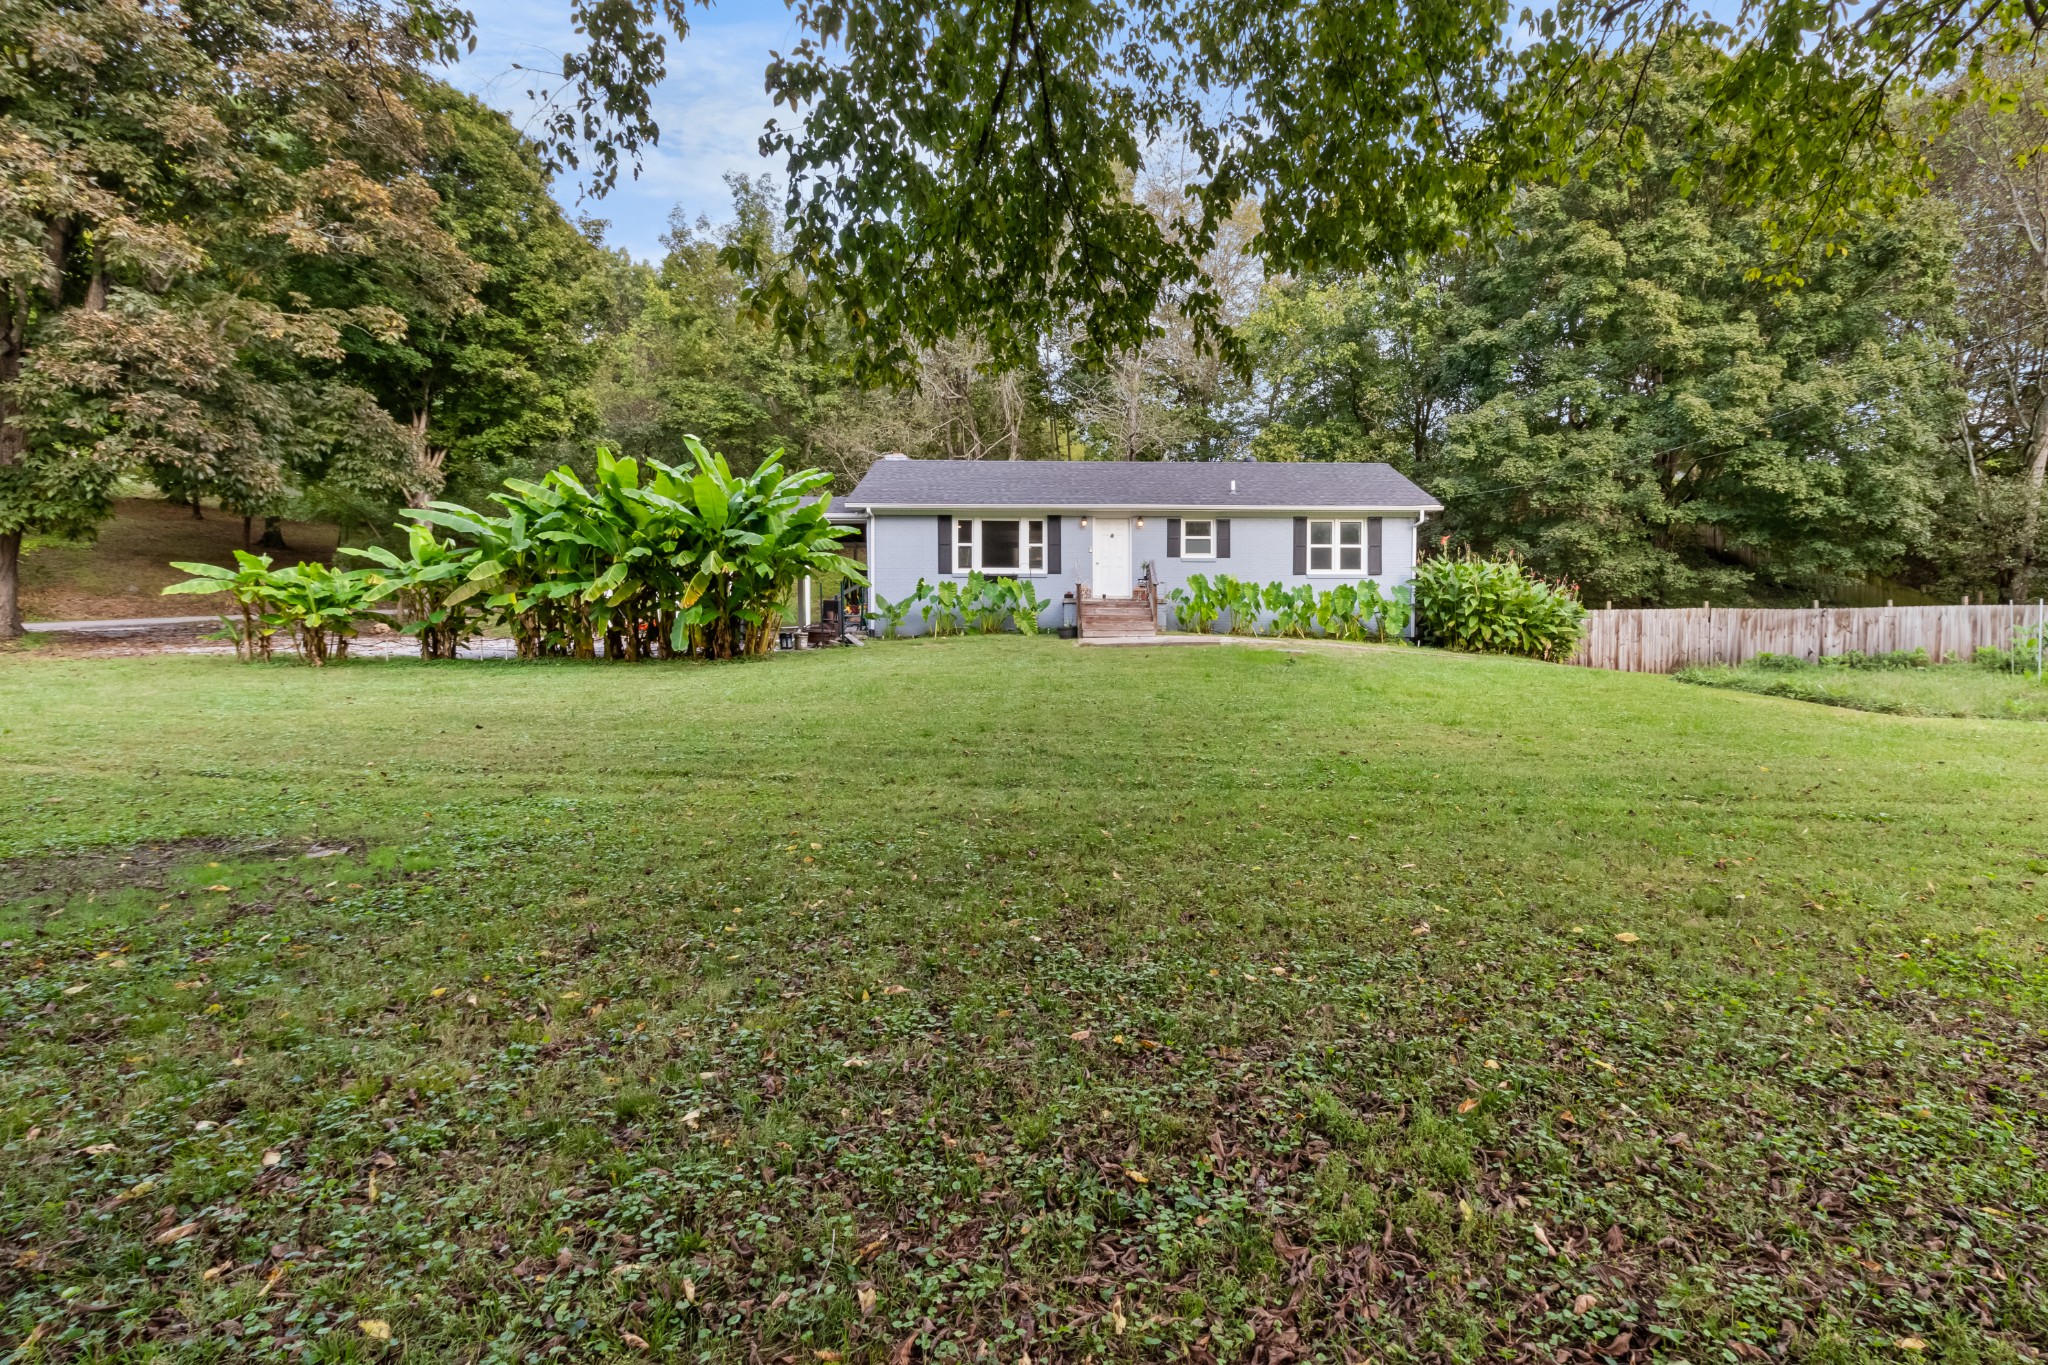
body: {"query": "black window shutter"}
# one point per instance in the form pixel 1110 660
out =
pixel 1372 545
pixel 1173 537
pixel 1052 544
pixel 1301 546
pixel 1223 540
pixel 945 545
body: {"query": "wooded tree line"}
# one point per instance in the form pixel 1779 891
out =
pixel 268 261
pixel 1632 388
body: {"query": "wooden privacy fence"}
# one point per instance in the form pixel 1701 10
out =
pixel 1662 641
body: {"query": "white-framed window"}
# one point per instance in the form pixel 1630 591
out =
pixel 1197 539
pixel 1336 547
pixel 1000 545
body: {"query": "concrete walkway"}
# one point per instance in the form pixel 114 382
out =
pixel 127 626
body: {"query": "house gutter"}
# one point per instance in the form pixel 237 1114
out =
pixel 1090 508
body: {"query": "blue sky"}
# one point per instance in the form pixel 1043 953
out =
pixel 711 107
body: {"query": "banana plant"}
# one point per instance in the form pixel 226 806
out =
pixel 248 584
pixel 316 606
pixel 423 582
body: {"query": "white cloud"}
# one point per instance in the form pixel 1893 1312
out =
pixel 711 108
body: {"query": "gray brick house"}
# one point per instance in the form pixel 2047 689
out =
pixel 1128 533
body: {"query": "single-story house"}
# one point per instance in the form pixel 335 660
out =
pixel 1117 536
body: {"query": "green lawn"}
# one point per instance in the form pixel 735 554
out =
pixel 990 997
pixel 1949 690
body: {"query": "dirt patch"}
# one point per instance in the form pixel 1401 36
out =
pixel 124 571
pixel 143 866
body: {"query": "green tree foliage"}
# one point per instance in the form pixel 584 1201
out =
pixel 960 169
pixel 1641 413
pixel 160 174
pixel 695 360
pixel 1991 177
pixel 490 374
pixel 1619 393
pixel 1352 367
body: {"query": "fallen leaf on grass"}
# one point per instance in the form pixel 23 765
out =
pixel 98 1149
pixel 825 1353
pixel 1135 1176
pixel 176 1234
pixel 1418 931
pixel 1469 1105
pixel 895 990
pixel 689 1291
pixel 376 1329
pixel 272 1157
pixel 865 1295
pixel 1910 1344
pixel 1079 1035
pixel 634 1340
pixel 690 1119
pixel 1624 938
pixel 1583 1304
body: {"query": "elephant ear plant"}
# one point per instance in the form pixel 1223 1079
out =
pixel 1198 604
pixel 894 614
pixel 1025 605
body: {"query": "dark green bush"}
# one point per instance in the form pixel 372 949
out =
pixel 1793 663
pixel 1497 606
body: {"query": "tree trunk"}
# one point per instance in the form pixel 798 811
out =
pixel 273 535
pixel 10 586
pixel 2030 521
pixel 197 514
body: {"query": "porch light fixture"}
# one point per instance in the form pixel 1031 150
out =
pixel 1084 523
pixel 1141 523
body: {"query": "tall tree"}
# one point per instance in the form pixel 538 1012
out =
pixel 158 173
pixel 1643 410
pixel 1992 174
pixel 491 373
pixel 1352 367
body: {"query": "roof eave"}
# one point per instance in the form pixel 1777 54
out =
pixel 873 507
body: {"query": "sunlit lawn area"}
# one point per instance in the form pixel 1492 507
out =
pixel 980 998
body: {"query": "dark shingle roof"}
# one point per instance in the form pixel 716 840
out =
pixel 1134 485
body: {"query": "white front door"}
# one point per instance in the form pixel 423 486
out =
pixel 1112 554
